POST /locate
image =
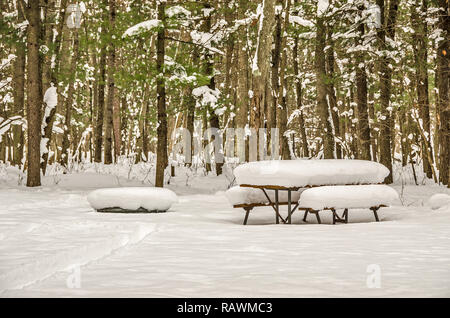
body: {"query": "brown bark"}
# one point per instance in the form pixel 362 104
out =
pixel 19 94
pixel 98 139
pixel 275 79
pixel 161 155
pixel 361 102
pixel 420 57
pixel 321 87
pixel 111 87
pixel 443 70
pixel 213 118
pixel 282 111
pixel 52 75
pixel 331 91
pixel 116 125
pixel 242 80
pixel 385 74
pixel 261 69
pixel 298 89
pixel 69 101
pixel 34 96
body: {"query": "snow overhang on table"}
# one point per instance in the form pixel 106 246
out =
pixel 302 173
pixel 132 199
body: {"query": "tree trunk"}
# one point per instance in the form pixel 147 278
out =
pixel 260 67
pixel 298 89
pixel 420 57
pixel 443 69
pixel 19 94
pixel 65 152
pixel 282 111
pixel 275 79
pixel 111 86
pixel 361 102
pixel 321 86
pixel 213 118
pixel 333 109
pixel 54 72
pixel 161 155
pixel 242 84
pixel 385 74
pixel 34 96
pixel 98 139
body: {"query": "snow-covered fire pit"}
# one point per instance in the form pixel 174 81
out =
pixel 132 200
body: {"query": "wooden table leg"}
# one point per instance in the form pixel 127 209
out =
pixel 289 207
pixel 247 212
pixel 277 207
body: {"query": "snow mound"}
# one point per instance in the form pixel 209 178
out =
pixel 300 173
pixel 341 197
pixel 439 200
pixel 133 198
pixel 240 195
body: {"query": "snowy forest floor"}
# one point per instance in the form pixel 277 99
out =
pixel 52 241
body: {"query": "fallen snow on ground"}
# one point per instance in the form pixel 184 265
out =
pixel 52 241
pixel 440 200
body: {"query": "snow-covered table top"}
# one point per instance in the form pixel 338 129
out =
pixel 302 173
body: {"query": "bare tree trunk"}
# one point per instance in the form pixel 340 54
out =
pixel 145 139
pixel 50 19
pixel 371 109
pixel 111 87
pixel 385 74
pixel 282 111
pixel 443 70
pixel 321 86
pixel 98 139
pixel 298 88
pixel 161 155
pixel 361 102
pixel 420 57
pixel 275 78
pixel 69 101
pixel 242 80
pixel 34 96
pixel 213 118
pixel 19 94
pixel 116 125
pixel 53 73
pixel 260 67
pixel 333 109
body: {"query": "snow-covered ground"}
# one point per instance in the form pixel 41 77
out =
pixel 54 244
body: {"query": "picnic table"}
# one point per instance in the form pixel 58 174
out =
pixel 275 204
pixel 296 176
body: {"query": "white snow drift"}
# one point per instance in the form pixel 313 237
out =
pixel 300 173
pixel 133 198
pixel 439 200
pixel 341 197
